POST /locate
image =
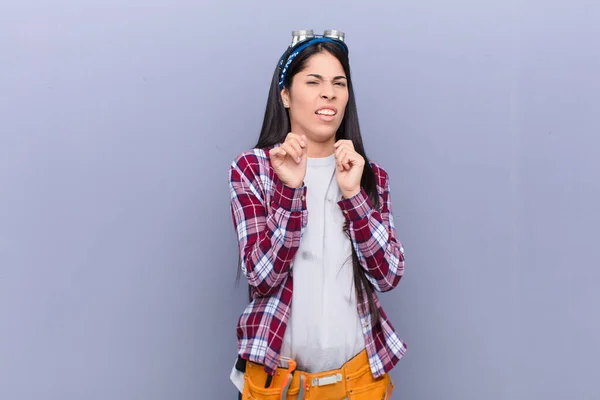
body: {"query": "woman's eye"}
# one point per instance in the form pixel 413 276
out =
pixel 342 84
pixel 312 82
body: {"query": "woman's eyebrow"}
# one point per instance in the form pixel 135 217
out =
pixel 321 77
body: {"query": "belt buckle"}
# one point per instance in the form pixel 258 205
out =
pixel 327 380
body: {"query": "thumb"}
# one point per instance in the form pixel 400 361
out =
pixel 278 152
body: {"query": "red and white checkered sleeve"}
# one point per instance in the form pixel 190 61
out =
pixel 268 237
pixel 373 235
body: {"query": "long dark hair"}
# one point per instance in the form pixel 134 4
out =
pixel 276 125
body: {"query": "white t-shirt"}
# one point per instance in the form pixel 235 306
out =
pixel 324 330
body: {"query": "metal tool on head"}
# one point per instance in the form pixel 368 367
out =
pixel 301 39
pixel 306 34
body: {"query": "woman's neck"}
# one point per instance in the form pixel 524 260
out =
pixel 320 149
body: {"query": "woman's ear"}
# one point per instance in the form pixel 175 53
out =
pixel 285 97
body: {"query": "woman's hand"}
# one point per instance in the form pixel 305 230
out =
pixel 349 167
pixel 289 160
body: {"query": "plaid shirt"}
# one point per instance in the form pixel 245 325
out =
pixel 269 219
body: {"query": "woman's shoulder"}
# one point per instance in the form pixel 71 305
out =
pixel 380 173
pixel 252 161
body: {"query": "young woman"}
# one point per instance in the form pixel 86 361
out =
pixel 316 238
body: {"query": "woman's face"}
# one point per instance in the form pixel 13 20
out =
pixel 318 97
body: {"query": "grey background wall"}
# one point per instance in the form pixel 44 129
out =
pixel 118 121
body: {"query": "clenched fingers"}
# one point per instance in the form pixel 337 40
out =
pixel 295 146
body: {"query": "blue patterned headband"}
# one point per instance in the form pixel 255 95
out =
pixel 302 40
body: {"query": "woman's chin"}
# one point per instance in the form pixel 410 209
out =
pixel 321 135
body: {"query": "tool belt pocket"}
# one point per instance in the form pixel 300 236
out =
pixel 252 391
pixel 381 389
pixel 254 388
